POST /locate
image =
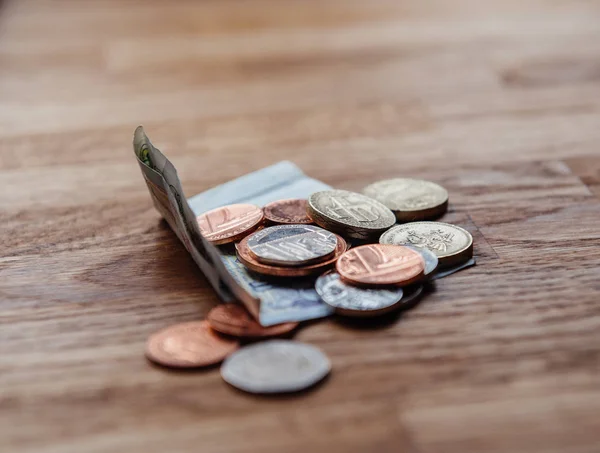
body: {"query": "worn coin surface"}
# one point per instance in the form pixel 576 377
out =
pixel 275 366
pixel 350 214
pixel 233 319
pixel 245 257
pixel 291 211
pixel 452 244
pixel 350 300
pixel 377 264
pixel 410 199
pixel 229 223
pixel 292 245
pixel 430 258
pixel 189 345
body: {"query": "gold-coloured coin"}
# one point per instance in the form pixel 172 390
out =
pixel 349 214
pixel 452 244
pixel 410 199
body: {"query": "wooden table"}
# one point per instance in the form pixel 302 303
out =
pixel 499 101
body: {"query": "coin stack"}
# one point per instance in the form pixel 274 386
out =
pixel 382 272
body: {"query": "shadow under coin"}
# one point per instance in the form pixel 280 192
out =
pixel 285 395
pixel 182 370
pixel 414 294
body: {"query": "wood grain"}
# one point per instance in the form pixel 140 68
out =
pixel 498 101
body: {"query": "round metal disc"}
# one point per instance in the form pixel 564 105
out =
pixel 275 366
pixel 349 214
pixel 188 345
pixel 292 245
pixel 353 301
pixel 430 258
pixel 411 295
pixel 410 199
pixel 247 259
pixel 229 223
pixel 451 244
pixel 381 265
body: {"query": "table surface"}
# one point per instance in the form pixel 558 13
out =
pixel 499 101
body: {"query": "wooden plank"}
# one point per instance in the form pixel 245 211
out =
pixel 497 101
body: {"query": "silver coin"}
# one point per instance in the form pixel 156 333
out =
pixel 430 258
pixel 292 245
pixel 350 214
pixel 451 244
pixel 352 301
pixel 275 366
pixel 410 199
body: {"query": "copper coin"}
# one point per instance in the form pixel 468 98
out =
pixel 291 211
pixel 229 223
pixel 233 319
pixel 246 258
pixel 189 345
pixel 378 264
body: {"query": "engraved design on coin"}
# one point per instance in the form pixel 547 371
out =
pixel 356 214
pixel 410 199
pixel 227 223
pixel 449 242
pixel 292 245
pixel 377 264
pixel 275 366
pixel 433 240
pixel 292 211
pixel 352 301
pixel 247 259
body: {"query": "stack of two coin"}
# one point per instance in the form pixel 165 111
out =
pixel 374 279
pixel 290 250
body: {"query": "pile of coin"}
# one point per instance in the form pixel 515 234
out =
pixel 363 264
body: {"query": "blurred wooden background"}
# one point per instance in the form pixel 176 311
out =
pixel 497 100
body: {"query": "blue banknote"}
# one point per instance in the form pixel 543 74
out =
pixel 270 301
pixel 275 301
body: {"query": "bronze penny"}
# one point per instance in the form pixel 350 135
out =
pixel 245 256
pixel 233 319
pixel 189 345
pixel 378 264
pixel 229 223
pixel 291 211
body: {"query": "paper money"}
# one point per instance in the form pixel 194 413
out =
pixel 270 302
pixel 168 197
pixel 276 182
pixel 280 301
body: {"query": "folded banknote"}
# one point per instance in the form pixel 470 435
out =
pixel 270 301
